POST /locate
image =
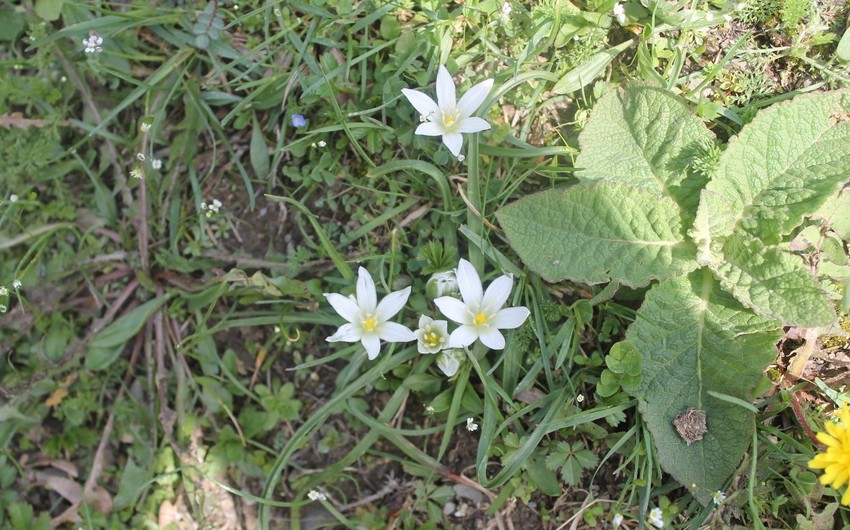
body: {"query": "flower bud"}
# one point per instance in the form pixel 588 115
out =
pixel 442 284
pixel 449 360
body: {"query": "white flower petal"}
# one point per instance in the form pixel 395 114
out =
pixel 474 97
pixel 367 297
pixel 392 332
pixel 392 304
pixel 492 338
pixel 497 294
pixel 343 305
pixel 421 102
pixel 345 333
pixel 510 318
pixel 454 141
pixel 446 98
pixel 430 128
pixel 441 326
pixel 469 284
pixel 454 309
pixel 472 125
pixel 372 345
pixel 424 321
pixel 463 336
pixel 423 348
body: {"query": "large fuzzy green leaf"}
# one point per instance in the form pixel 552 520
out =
pixel 782 167
pixel 597 232
pixel 773 283
pixel 694 339
pixel 647 137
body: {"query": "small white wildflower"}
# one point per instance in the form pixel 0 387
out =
pixel 718 498
pixel 471 426
pixel 432 335
pixel 727 17
pixel 63 78
pixel 2 308
pixel 617 520
pixel 709 16
pixel 461 158
pixel 156 163
pixel 448 117
pixel 580 398
pixel 317 496
pixel 13 198
pixel 620 13
pixel 367 318
pixel 277 330
pixel 3 290
pixel 656 517
pixel 480 314
pixel 236 7
pixel 507 9
pixel 140 157
pixel 322 143
pixel 93 43
pixel 144 127
pixel 136 173
pixel 429 409
pixel 16 284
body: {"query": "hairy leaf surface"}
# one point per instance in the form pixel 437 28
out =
pixel 646 137
pixel 782 167
pixel 696 338
pixel 593 233
pixel 772 282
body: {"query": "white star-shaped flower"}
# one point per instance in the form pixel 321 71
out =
pixel 480 315
pixel 432 335
pixel 718 497
pixel 367 319
pixel 449 117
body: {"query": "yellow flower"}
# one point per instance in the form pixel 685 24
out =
pixel 835 461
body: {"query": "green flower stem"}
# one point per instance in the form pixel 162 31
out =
pixel 473 194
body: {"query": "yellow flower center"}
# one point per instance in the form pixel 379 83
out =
pixel 450 118
pixel 480 318
pixel 433 339
pixel 370 323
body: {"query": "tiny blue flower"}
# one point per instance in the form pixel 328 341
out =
pixel 298 120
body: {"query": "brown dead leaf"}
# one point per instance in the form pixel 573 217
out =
pixel 68 489
pixel 64 465
pixel 100 499
pixel 16 119
pixel 530 395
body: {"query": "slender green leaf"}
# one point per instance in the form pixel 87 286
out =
pixel 584 74
pixel 105 347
